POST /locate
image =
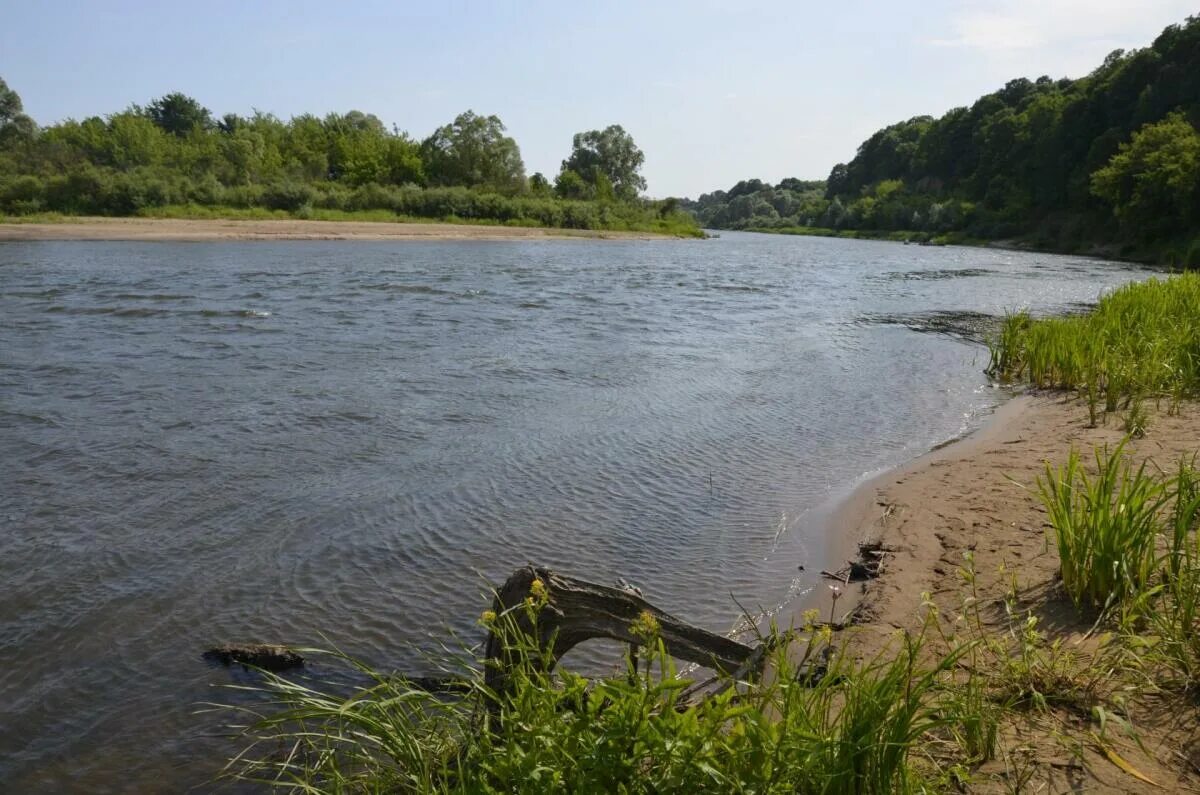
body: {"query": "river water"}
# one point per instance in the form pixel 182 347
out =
pixel 330 443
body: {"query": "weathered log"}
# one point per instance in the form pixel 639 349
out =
pixel 576 610
pixel 571 611
pixel 260 655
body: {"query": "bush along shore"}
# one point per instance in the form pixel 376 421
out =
pixel 173 158
pixel 1035 625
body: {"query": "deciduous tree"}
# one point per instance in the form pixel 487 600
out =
pixel 474 151
pixel 1153 181
pixel 609 153
pixel 179 114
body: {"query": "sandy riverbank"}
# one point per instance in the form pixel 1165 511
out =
pixel 88 228
pixel 979 495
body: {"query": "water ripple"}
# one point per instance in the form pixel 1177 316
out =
pixel 324 443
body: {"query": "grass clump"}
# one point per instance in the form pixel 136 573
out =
pixel 820 722
pixel 1105 526
pixel 1129 548
pixel 1142 340
pixel 1175 620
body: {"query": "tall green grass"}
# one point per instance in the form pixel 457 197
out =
pixel 1105 525
pixel 821 723
pixel 1129 547
pixel 1142 340
pixel 1175 619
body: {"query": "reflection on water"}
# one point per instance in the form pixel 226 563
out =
pixel 343 443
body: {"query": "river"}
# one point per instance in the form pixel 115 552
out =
pixel 332 443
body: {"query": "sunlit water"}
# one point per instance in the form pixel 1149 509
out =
pixel 342 443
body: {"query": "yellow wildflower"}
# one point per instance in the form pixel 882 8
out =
pixel 645 626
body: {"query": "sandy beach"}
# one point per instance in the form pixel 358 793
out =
pixel 979 496
pixel 100 228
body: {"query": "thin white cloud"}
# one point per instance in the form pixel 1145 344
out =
pixel 987 31
pixel 1028 24
pixel 1058 36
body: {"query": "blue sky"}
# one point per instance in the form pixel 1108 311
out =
pixel 712 91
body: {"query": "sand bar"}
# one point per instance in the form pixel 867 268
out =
pixel 100 228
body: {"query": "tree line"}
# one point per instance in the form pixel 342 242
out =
pixel 753 203
pixel 1111 159
pixel 174 154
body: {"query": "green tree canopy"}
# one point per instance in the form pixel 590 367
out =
pixel 609 153
pixel 474 151
pixel 10 103
pixel 179 114
pixel 1153 181
pixel 569 185
pixel 14 124
pixel 175 155
pixel 539 185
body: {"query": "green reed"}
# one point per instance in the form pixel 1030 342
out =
pixel 1142 339
pixel 1129 547
pixel 1174 620
pixel 1106 526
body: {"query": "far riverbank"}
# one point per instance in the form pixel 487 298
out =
pixel 213 229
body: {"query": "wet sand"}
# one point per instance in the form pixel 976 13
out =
pixel 979 496
pixel 98 228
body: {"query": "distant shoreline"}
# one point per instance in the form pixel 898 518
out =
pixel 214 229
pixel 1098 251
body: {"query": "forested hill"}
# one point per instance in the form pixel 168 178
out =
pixel 1111 160
pixel 174 157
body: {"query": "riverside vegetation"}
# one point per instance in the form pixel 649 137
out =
pixel 929 712
pixel 922 715
pixel 1109 162
pixel 1141 342
pixel 173 158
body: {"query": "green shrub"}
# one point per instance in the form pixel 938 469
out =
pixel 289 196
pixel 244 195
pixel 578 215
pixel 22 195
pixel 207 191
pixel 373 196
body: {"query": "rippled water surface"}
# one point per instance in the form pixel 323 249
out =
pixel 341 443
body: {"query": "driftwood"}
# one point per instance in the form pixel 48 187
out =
pixel 576 610
pixel 571 611
pixel 868 566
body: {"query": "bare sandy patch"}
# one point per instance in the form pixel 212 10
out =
pixel 975 503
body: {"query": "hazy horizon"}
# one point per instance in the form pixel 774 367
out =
pixel 712 92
